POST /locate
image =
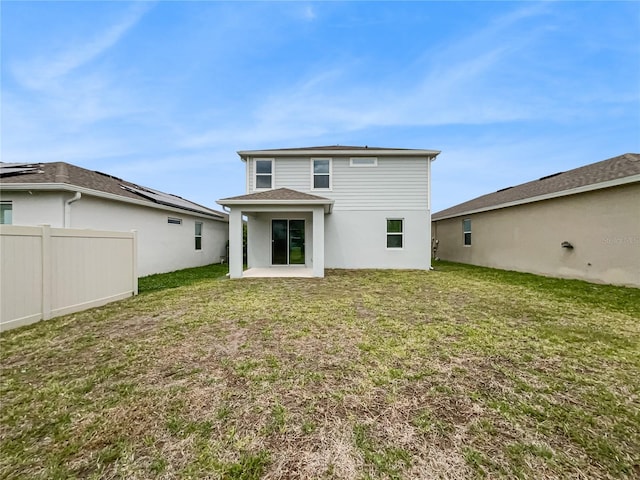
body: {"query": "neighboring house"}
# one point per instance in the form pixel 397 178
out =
pixel 332 207
pixel 172 232
pixel 583 223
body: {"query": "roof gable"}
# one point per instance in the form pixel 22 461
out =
pixel 279 197
pixel 599 173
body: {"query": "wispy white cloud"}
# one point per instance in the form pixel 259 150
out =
pixel 309 13
pixel 66 99
pixel 40 73
pixel 250 75
pixel 457 85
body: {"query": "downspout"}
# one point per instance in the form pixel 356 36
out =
pixel 67 209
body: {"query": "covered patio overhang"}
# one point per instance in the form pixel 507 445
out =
pixel 279 201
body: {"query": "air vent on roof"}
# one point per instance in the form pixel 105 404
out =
pixel 550 176
pixel 503 189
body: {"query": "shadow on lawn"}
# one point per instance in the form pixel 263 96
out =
pixel 181 278
pixel 618 298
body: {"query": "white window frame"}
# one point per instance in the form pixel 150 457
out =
pixel 465 231
pixel 272 174
pixel 198 236
pixel 313 175
pixel 174 221
pixel 374 162
pixel 10 204
pixel 400 234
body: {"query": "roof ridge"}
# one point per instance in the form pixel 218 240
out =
pixel 62 173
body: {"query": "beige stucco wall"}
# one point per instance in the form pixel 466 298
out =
pixel 602 225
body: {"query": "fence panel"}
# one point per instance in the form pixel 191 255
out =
pixel 47 272
pixel 20 275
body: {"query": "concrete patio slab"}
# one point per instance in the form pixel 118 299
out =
pixel 285 271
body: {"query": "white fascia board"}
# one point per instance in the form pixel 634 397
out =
pixel 327 204
pixel 109 196
pixel 369 152
pixel 549 196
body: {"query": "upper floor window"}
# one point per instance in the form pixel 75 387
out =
pixel 466 231
pixel 321 173
pixel 198 235
pixel 6 212
pixel 395 232
pixel 363 162
pixel 264 173
pixel 174 220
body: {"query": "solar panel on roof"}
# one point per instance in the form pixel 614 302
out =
pixel 14 164
pixel 169 200
pixel 7 169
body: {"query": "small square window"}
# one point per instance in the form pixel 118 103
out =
pixel 363 162
pixel 395 233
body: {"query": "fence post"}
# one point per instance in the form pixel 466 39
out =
pixel 46 272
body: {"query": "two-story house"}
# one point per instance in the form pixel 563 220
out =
pixel 313 208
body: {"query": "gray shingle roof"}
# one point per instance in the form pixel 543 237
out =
pixel 612 169
pixel 332 147
pixel 66 173
pixel 328 150
pixel 277 194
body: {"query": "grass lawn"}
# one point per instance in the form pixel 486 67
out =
pixel 462 372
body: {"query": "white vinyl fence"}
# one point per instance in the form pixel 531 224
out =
pixel 46 272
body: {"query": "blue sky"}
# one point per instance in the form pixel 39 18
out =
pixel 164 93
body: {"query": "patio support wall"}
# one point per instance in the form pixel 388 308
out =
pixel 318 242
pixel 235 243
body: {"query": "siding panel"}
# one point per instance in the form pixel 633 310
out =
pixel 396 182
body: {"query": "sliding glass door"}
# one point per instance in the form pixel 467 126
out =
pixel 296 242
pixel 279 230
pixel 287 242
